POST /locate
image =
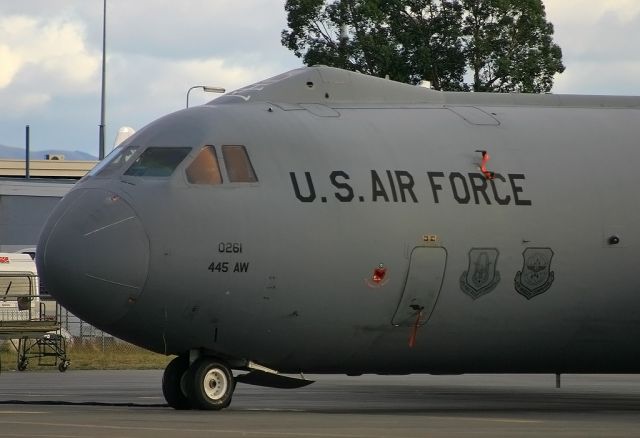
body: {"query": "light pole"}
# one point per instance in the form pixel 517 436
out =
pixel 104 67
pixel 206 89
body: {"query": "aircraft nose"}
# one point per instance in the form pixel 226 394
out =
pixel 94 255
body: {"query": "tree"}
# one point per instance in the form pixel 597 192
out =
pixel 350 34
pixel 500 45
pixel 431 37
pixel 509 46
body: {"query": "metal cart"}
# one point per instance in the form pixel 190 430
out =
pixel 32 325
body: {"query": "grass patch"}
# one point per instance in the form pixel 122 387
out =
pixel 116 357
pixel 94 356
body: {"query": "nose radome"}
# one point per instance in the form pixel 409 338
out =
pixel 95 256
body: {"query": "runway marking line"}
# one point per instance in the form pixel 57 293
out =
pixel 487 419
pixel 491 420
pixel 22 412
pixel 182 430
pixel 30 435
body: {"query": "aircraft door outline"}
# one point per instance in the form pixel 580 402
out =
pixel 425 276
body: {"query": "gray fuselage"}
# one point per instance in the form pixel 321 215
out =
pixel 534 270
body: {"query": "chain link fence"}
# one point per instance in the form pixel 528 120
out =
pixel 32 319
pixel 80 334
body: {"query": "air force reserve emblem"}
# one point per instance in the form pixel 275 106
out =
pixel 536 276
pixel 481 277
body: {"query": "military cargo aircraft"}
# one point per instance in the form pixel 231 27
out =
pixel 325 221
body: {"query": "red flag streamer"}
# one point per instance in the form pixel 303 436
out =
pixel 483 166
pixel 414 330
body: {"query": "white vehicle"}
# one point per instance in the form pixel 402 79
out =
pixel 34 331
pixel 19 290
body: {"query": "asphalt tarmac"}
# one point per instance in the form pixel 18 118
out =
pixel 130 404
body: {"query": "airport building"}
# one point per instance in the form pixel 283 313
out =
pixel 28 196
pixel 26 200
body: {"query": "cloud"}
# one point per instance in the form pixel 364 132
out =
pixel 11 63
pixel 32 102
pixel 205 28
pixel 50 53
pixel 616 80
pixel 155 52
pixel 143 88
pixel 41 59
pixel 214 72
pixel 61 50
pixel 597 40
pixel 581 11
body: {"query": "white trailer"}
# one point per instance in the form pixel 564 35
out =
pixel 32 328
pixel 19 290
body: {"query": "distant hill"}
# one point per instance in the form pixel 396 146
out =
pixel 12 153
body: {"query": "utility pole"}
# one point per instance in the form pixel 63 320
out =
pixel 104 68
pixel 27 157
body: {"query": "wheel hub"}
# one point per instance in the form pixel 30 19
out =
pixel 215 384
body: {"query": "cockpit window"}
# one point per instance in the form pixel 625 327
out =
pixel 159 162
pixel 205 169
pixel 116 159
pixel 238 165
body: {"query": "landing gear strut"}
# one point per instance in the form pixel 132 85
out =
pixel 207 384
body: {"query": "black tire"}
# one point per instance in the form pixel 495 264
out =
pixel 22 365
pixel 210 384
pixel 62 367
pixel 172 386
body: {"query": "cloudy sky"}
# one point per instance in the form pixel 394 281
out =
pixel 50 55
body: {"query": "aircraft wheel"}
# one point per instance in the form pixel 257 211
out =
pixel 22 364
pixel 62 367
pixel 210 384
pixel 173 383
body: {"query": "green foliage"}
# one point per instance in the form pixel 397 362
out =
pixel 510 46
pixel 363 43
pixel 501 45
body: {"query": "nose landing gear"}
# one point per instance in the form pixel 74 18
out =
pixel 207 384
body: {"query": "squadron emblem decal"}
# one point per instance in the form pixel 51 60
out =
pixel 536 276
pixel 481 277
